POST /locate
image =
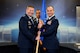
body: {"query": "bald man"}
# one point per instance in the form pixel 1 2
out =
pixel 38 13
pixel 50 41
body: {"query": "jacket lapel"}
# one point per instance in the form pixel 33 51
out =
pixel 29 20
pixel 50 19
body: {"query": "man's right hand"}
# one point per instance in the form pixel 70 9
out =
pixel 40 42
pixel 37 38
pixel 40 23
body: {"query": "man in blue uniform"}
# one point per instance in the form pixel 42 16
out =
pixel 38 13
pixel 27 31
pixel 50 41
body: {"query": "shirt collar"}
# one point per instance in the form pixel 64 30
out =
pixel 50 17
pixel 29 16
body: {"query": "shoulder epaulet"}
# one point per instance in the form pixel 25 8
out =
pixel 24 15
pixel 55 18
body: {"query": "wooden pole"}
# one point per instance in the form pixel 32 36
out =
pixel 37 46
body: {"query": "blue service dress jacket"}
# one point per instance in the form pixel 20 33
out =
pixel 27 32
pixel 50 40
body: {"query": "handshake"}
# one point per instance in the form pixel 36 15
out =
pixel 40 24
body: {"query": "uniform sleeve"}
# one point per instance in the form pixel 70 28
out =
pixel 23 26
pixel 51 28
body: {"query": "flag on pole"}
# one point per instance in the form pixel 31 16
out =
pixel 43 11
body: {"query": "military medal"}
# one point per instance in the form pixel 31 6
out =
pixel 29 27
pixel 29 23
pixel 49 22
